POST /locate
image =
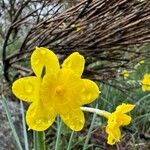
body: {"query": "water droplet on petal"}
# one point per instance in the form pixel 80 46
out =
pixel 43 52
pixel 72 125
pixel 37 61
pixel 28 88
pixel 20 95
pixel 68 64
pixel 39 121
pixel 78 123
pixel 49 121
pixel 89 96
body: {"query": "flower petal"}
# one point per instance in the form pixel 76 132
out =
pixel 75 62
pixel 43 57
pixel 48 86
pixel 146 83
pixel 112 129
pixel 111 140
pixel 27 88
pixel 73 118
pixel 114 135
pixel 124 120
pixel 124 108
pixel 89 91
pixel 39 117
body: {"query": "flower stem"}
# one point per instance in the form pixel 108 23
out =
pixel 90 130
pixel 39 140
pixel 24 127
pixel 71 137
pixel 58 136
pixel 96 111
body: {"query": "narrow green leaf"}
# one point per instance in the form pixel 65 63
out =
pixel 24 127
pixel 58 135
pixel 39 140
pixel 5 105
pixel 70 140
pixel 89 131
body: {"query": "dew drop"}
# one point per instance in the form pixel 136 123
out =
pixel 89 96
pixel 79 122
pixel 68 64
pixel 43 52
pixel 39 121
pixel 73 126
pixel 21 96
pixel 76 124
pixel 28 88
pixel 49 121
pixel 36 62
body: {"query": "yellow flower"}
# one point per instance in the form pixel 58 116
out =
pixel 142 62
pixel 116 120
pixel 77 28
pixel 125 74
pixel 146 83
pixel 61 91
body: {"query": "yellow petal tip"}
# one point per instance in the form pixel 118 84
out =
pixel 29 129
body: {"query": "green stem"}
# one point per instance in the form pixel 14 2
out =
pixel 96 111
pixel 91 126
pixel 24 127
pixel 39 140
pixel 71 137
pixel 58 136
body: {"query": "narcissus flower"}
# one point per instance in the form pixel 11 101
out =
pixel 55 90
pixel 125 74
pixel 116 120
pixel 146 83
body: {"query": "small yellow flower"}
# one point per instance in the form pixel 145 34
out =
pixel 142 62
pixel 146 83
pixel 125 74
pixel 116 120
pixel 77 28
pixel 61 91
